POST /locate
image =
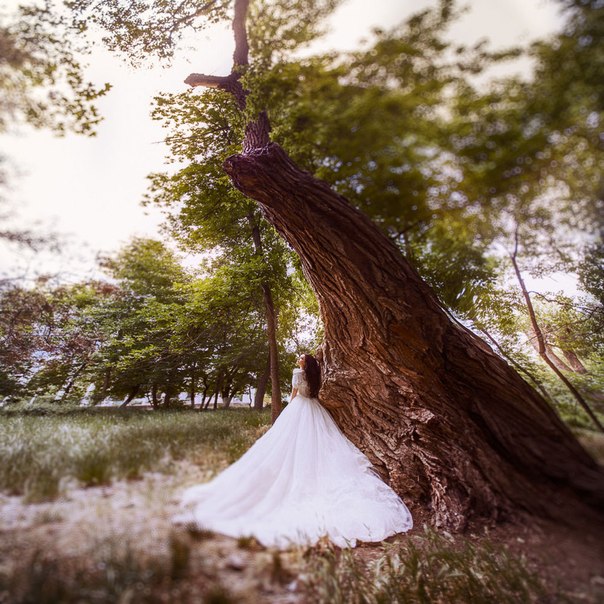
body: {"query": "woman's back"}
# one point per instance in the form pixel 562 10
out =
pixel 299 382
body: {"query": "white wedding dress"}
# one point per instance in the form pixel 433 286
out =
pixel 301 480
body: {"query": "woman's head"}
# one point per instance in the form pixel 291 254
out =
pixel 312 370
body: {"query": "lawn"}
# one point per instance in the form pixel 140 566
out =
pixel 86 498
pixel 44 454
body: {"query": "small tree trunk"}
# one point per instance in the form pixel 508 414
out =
pixel 154 396
pixel 551 355
pixel 203 398
pixel 100 395
pixel 542 347
pixel 271 322
pixel 574 361
pixel 261 387
pixel 192 388
pixel 73 379
pixel 131 396
pixel 226 394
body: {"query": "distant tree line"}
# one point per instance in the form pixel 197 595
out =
pixel 153 329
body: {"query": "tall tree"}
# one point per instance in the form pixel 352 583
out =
pixel 403 380
pixel 206 214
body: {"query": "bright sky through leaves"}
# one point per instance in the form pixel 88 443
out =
pixel 88 189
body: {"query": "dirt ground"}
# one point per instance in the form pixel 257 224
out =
pixel 136 515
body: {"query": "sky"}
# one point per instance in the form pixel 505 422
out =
pixel 88 190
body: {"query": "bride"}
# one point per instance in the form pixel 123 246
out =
pixel 300 481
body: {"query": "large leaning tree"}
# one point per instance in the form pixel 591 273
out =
pixel 448 423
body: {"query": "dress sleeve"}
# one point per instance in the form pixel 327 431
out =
pixel 297 379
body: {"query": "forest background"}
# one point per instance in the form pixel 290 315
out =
pixel 483 184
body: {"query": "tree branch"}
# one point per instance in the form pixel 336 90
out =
pixel 231 82
pixel 228 83
pixel 587 309
pixel 240 55
pixel 209 81
pixel 192 16
pixel 542 347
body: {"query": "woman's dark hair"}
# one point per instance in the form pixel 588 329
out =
pixel 312 371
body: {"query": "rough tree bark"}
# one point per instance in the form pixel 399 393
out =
pixel 532 377
pixel 448 423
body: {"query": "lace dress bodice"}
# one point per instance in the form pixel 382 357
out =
pixel 299 382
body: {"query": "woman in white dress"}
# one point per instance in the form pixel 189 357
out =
pixel 300 481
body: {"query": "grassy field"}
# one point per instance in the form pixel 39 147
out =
pixel 113 541
pixel 43 454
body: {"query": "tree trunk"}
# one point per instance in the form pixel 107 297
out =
pixel 192 388
pixel 261 386
pixel 102 392
pixel 168 396
pixel 73 379
pixel 271 328
pixel 216 398
pixel 154 396
pixel 131 396
pixel 447 422
pixel 542 344
pixel 574 361
pixel 203 398
pixel 538 383
pixel 226 394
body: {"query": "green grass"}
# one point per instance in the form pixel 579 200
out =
pixel 41 453
pixel 427 569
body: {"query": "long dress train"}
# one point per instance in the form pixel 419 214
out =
pixel 301 480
